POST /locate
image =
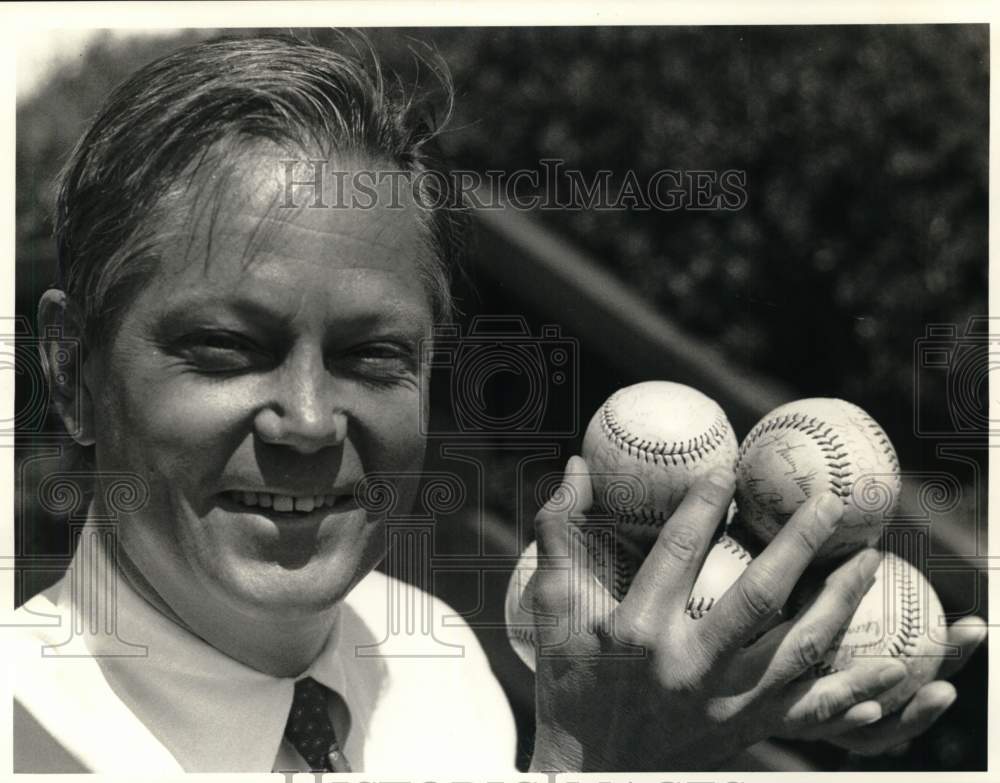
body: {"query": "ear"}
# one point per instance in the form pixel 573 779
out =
pixel 61 347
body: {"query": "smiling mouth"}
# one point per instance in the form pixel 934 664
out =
pixel 289 503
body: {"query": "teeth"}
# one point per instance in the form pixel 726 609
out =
pixel 304 504
pixel 284 502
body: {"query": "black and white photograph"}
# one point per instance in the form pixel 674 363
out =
pixel 442 400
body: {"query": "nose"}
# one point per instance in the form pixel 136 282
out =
pixel 302 411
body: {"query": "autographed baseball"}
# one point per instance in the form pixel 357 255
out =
pixel 724 564
pixel 646 445
pixel 896 618
pixel 811 446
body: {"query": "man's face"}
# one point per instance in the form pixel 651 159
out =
pixel 253 382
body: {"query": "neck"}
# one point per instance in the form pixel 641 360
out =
pixel 275 646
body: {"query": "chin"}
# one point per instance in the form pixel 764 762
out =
pixel 275 588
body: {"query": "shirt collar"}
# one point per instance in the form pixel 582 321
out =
pixel 213 713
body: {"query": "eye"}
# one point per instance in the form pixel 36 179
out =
pixel 223 351
pixel 380 362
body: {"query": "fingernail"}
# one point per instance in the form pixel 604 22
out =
pixel 869 712
pixel 829 509
pixel 721 478
pixel 891 675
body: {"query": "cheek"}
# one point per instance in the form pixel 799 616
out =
pixel 389 431
pixel 170 427
pixel 390 438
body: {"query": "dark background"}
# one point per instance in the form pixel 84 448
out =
pixel 865 151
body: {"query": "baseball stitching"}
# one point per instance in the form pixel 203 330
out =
pixel 883 440
pixel 641 516
pixel 731 546
pixel 699 607
pixel 621 576
pixel 656 451
pixel 834 453
pixel 887 449
pixel 909 622
pixel 522 633
pixel 905 641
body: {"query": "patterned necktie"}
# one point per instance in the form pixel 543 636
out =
pixel 310 730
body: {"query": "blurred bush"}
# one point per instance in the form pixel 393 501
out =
pixel 865 150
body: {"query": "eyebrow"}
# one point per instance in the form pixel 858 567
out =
pixel 196 306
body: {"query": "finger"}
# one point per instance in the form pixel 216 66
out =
pixel 797 647
pixel 926 706
pixel 858 716
pixel 841 701
pixel 562 561
pixel 566 584
pixel 580 601
pixel 966 634
pixel 572 498
pixel 663 582
pixel 764 587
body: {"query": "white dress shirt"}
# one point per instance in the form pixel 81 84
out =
pixel 144 693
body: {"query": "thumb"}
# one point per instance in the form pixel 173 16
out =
pixel 566 583
pixel 572 498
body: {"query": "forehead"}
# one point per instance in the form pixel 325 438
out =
pixel 252 220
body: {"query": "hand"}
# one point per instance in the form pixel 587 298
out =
pixel 696 693
pixel 926 706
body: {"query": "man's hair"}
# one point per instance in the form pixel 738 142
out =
pixel 164 121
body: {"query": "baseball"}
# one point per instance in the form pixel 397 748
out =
pixel 895 618
pixel 646 445
pixel 724 564
pixel 517 609
pixel 815 445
